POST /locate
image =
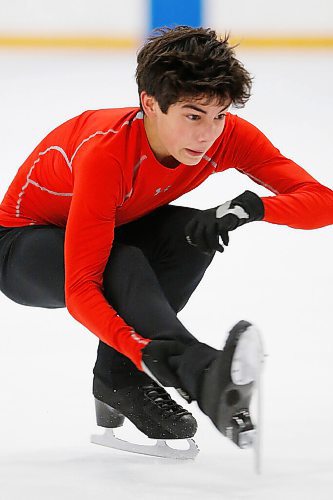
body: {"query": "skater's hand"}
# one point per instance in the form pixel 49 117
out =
pixel 207 227
pixel 156 361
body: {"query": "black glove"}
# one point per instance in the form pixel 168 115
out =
pixel 156 361
pixel 205 228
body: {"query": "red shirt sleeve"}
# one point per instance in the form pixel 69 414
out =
pixel 98 191
pixel 301 201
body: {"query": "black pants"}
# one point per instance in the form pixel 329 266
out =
pixel 150 275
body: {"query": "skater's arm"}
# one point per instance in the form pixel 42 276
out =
pixel 300 201
pixel 98 191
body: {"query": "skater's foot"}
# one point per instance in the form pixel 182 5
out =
pixel 227 384
pixel 149 407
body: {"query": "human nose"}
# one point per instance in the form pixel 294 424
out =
pixel 208 133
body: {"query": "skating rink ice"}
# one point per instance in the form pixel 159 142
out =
pixel 277 277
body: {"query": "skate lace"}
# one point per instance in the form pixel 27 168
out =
pixel 163 401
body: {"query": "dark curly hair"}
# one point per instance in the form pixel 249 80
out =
pixel 184 62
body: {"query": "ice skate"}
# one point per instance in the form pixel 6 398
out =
pixel 150 408
pixel 228 384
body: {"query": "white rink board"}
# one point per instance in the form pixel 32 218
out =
pixel 110 18
pixel 129 18
pixel 264 18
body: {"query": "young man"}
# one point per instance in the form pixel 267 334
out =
pixel 86 224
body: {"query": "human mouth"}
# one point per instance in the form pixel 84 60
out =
pixel 193 152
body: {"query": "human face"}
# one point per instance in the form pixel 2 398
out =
pixel 186 131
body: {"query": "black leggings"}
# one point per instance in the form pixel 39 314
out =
pixel 149 277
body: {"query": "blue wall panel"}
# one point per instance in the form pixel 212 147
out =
pixel 175 12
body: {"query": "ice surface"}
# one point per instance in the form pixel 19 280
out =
pixel 278 277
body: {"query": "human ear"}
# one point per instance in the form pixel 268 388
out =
pixel 148 104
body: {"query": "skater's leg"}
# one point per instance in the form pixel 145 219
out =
pixel 32 265
pixel 177 270
pixel 132 288
pixel 32 273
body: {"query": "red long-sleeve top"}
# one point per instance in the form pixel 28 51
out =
pixel 97 171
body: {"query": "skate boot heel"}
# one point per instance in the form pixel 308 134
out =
pixel 241 430
pixel 106 416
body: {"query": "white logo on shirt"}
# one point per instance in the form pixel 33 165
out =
pixel 161 190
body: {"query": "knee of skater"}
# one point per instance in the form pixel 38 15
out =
pixel 126 255
pixel 33 296
pixel 33 274
pixel 41 244
pixel 192 258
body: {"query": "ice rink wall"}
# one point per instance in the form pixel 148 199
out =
pixel 124 23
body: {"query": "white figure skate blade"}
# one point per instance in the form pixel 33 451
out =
pixel 247 367
pixel 247 358
pixel 160 449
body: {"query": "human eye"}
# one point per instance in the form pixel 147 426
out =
pixel 221 116
pixel 193 118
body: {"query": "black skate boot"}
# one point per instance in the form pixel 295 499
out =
pixel 151 409
pixel 227 384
